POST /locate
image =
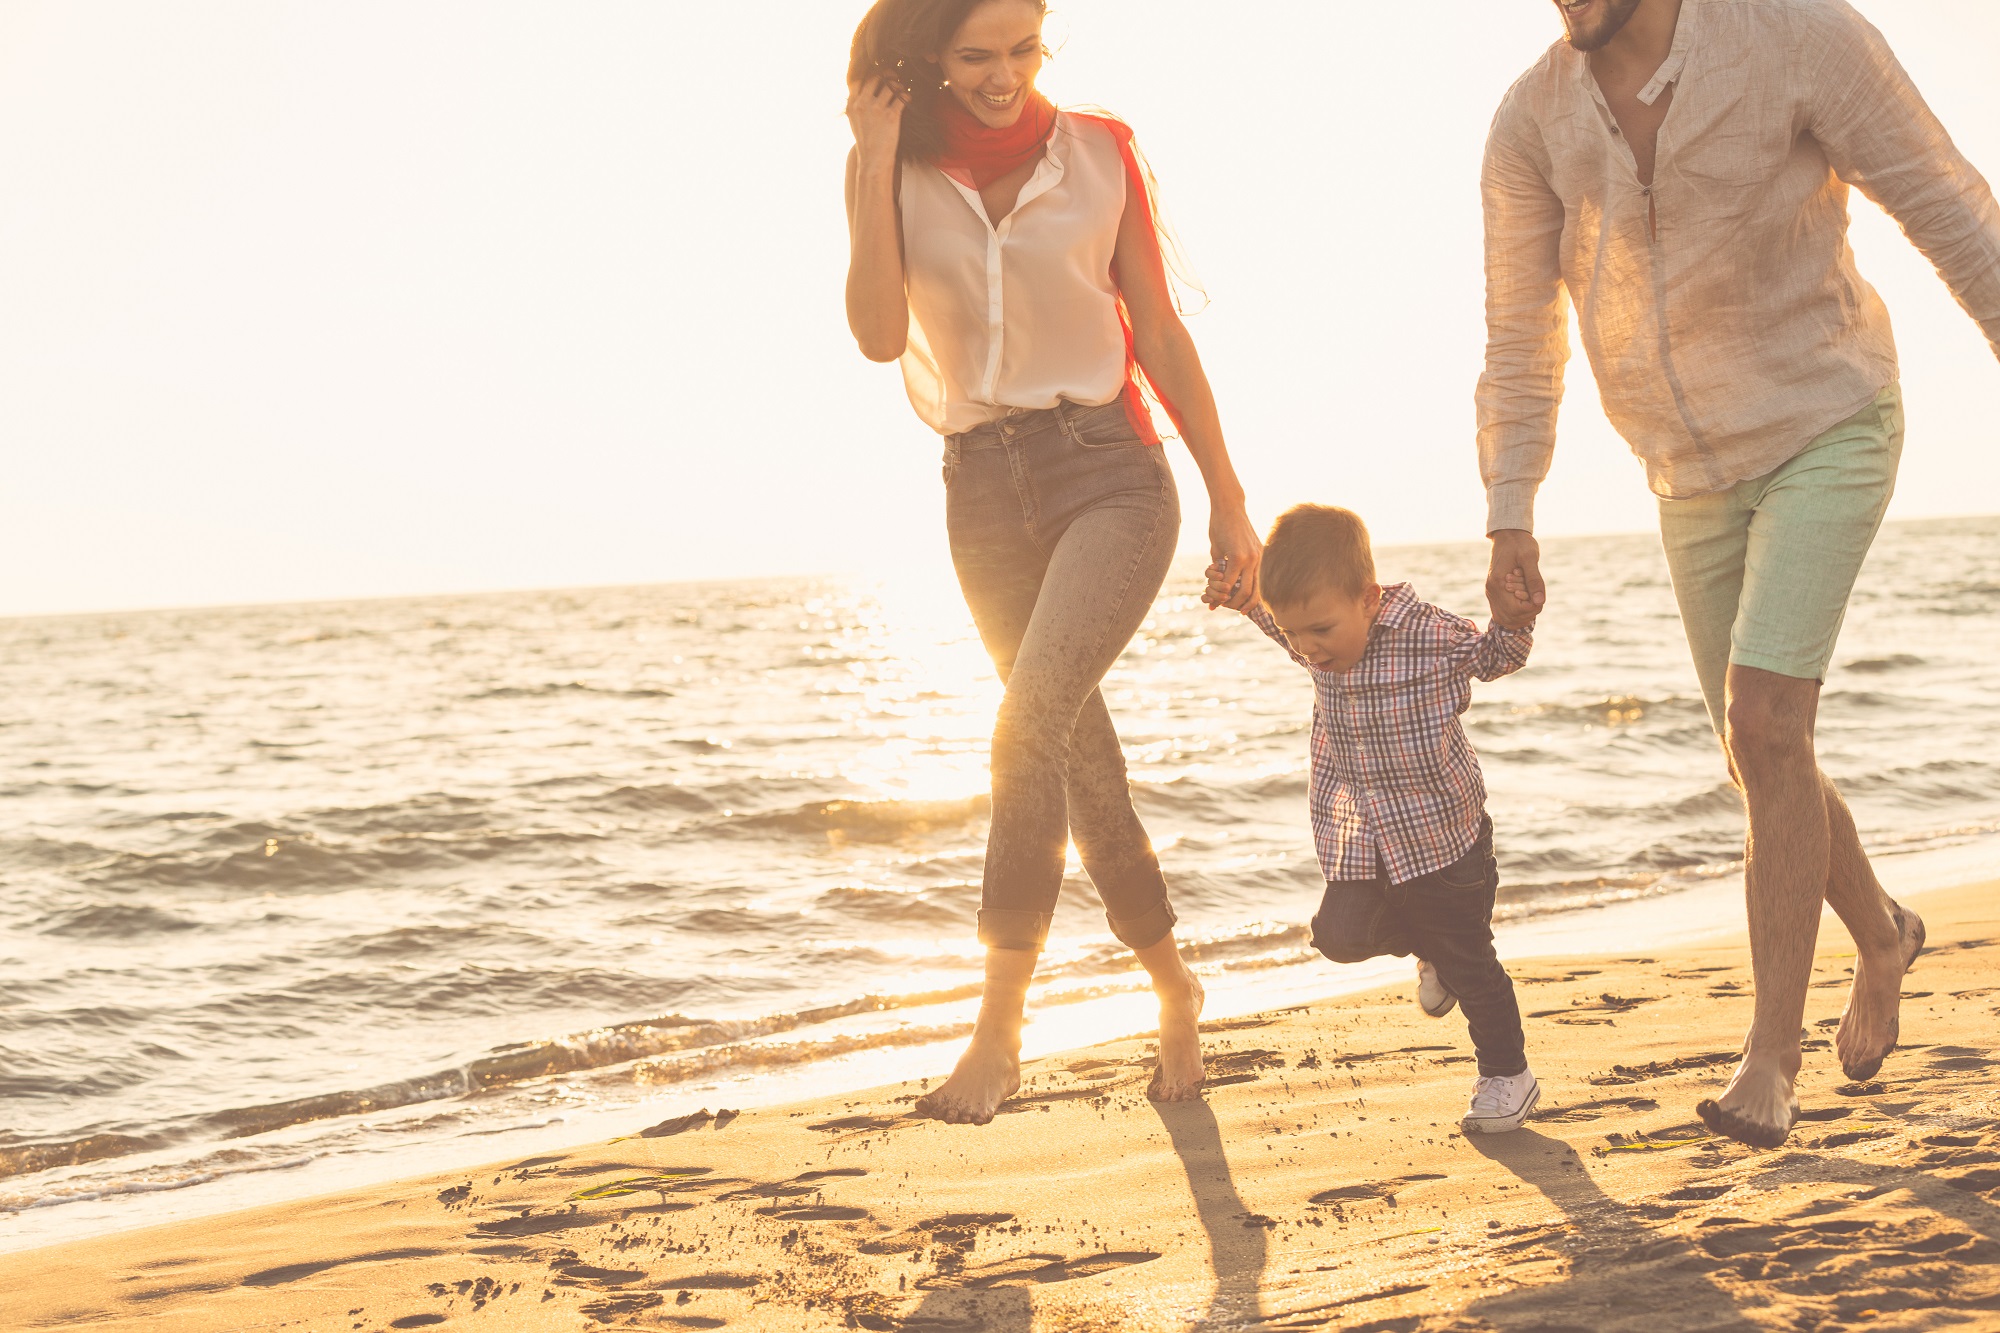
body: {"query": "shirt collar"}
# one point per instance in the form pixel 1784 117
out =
pixel 1399 603
pixel 1670 69
pixel 1677 58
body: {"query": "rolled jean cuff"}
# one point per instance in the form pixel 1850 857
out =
pixel 1146 929
pixel 1002 928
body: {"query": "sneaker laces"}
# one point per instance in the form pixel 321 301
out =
pixel 1489 1096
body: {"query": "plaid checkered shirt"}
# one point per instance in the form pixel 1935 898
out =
pixel 1396 788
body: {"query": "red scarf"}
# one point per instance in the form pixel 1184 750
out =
pixel 976 154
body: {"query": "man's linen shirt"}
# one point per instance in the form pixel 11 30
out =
pixel 1720 306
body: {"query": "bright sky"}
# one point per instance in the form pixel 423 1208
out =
pixel 305 300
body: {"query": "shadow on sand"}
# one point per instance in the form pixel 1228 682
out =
pixel 1607 1289
pixel 1236 1237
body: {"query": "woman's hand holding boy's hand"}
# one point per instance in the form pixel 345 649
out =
pixel 1232 579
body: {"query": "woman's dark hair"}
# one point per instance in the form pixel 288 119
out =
pixel 896 42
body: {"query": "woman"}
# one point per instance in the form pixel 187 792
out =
pixel 1008 255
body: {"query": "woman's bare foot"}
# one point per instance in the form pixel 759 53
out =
pixel 987 1074
pixel 1870 1025
pixel 1178 1075
pixel 1759 1107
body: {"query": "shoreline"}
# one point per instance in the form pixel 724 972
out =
pixel 172 1187
pixel 1322 1183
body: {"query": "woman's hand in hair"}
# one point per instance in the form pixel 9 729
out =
pixel 875 112
pixel 1232 540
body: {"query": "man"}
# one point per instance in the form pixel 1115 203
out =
pixel 1682 168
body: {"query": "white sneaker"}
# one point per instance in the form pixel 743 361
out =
pixel 1501 1104
pixel 1432 997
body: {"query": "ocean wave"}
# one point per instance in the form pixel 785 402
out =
pixel 903 910
pixel 860 821
pixel 115 921
pixel 1875 665
pixel 1622 710
pixel 557 688
pixel 47 853
pixel 262 857
pixel 593 1049
pixel 219 1166
pixel 1927 784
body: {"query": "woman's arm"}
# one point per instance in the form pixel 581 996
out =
pixel 878 309
pixel 1166 353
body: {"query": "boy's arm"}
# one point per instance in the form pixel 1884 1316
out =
pixel 1497 652
pixel 1501 651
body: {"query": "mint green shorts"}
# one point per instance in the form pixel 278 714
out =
pixel 1763 569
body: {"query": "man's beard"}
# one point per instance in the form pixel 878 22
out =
pixel 1597 37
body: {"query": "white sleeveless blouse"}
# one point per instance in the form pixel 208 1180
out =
pixel 1023 314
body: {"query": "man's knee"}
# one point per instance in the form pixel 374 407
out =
pixel 1769 726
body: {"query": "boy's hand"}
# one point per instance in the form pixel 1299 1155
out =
pixel 1220 585
pixel 1517 588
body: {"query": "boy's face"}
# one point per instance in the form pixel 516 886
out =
pixel 1329 628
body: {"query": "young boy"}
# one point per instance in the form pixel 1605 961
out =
pixel 1398 803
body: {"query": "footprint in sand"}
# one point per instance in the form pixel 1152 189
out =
pixel 798 1187
pixel 1958 1058
pixel 1596 1110
pixel 1827 1113
pixel 1623 1074
pixel 1385 1190
pixel 275 1277
pixel 849 1123
pixel 712 1282
pixel 589 1275
pixel 814 1213
pixel 957 1232
pixel 1035 1270
pixel 1579 1010
pixel 1240 1066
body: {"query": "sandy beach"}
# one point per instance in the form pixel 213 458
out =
pixel 1321 1184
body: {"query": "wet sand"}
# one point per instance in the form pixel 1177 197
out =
pixel 1322 1183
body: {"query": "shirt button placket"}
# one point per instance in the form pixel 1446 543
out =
pixel 995 309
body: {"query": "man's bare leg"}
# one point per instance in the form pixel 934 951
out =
pixel 1179 1074
pixel 1786 861
pixel 990 1070
pixel 1869 1026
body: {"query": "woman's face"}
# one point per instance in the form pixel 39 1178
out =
pixel 993 58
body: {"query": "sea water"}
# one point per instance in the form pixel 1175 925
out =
pixel 294 897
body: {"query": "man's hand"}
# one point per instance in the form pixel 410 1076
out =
pixel 1514 580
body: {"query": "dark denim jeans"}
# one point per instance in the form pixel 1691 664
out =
pixel 1445 917
pixel 1062 525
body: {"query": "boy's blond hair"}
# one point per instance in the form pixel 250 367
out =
pixel 1313 549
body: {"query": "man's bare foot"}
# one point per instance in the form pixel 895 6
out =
pixel 1871 1024
pixel 1759 1107
pixel 1178 1075
pixel 987 1074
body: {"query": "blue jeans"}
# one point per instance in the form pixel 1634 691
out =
pixel 1445 918
pixel 1062 524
